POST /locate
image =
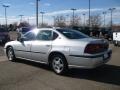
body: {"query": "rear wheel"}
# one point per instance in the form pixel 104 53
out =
pixel 59 64
pixel 119 43
pixel 10 54
pixel 115 43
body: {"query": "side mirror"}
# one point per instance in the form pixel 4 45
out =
pixel 22 39
pixel 18 36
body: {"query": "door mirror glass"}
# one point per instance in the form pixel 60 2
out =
pixel 22 39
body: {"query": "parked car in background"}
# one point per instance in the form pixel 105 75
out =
pixel 116 38
pixel 60 48
pixel 23 30
pixel 84 30
pixel 4 35
pixel 107 33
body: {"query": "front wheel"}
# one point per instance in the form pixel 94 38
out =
pixel 10 54
pixel 59 64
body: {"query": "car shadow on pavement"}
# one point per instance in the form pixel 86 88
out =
pixel 2 45
pixel 107 73
pixel 39 65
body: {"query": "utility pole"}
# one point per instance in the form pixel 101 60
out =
pixel 6 6
pixel 104 13
pixel 37 12
pixel 54 21
pixel 73 9
pixel 111 10
pixel 28 20
pixel 21 16
pixel 67 20
pixel 84 19
pixel 89 14
pixel 42 13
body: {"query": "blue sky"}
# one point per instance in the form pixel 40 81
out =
pixel 54 7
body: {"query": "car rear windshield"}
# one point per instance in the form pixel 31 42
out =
pixel 72 34
pixel 3 30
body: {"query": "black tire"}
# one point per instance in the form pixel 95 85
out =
pixel 10 54
pixel 2 41
pixel 115 44
pixel 59 64
pixel 118 44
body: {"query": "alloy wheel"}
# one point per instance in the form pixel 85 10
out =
pixel 58 64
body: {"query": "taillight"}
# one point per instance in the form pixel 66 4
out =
pixel 95 48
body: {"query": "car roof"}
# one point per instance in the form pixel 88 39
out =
pixel 53 29
pixel 36 30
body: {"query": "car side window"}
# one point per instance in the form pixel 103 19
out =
pixel 55 35
pixel 29 36
pixel 44 35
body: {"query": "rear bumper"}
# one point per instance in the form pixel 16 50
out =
pixel 89 62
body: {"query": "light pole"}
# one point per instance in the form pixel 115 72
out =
pixel 54 21
pixel 28 20
pixel 6 6
pixel 42 13
pixel 37 12
pixel 89 14
pixel 111 10
pixel 73 9
pixel 104 13
pixel 84 19
pixel 21 16
pixel 0 21
pixel 67 20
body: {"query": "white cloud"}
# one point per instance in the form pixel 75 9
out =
pixel 7 4
pixel 2 18
pixel 11 16
pixel 48 16
pixel 47 4
pixel 70 11
pixel 58 12
pixel 32 3
pixel 116 13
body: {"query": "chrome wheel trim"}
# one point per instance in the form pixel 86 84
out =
pixel 10 54
pixel 57 64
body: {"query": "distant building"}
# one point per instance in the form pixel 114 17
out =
pixel 116 27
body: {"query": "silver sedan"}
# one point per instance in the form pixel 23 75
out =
pixel 60 49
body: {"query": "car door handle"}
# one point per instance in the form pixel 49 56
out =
pixel 47 45
pixel 28 44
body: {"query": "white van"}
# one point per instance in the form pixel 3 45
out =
pixel 116 38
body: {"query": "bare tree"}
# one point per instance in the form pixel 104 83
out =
pixel 43 25
pixel 77 21
pixel 60 21
pixel 24 24
pixel 95 21
pixel 12 27
pixel 108 24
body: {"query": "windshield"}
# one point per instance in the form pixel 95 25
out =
pixel 72 34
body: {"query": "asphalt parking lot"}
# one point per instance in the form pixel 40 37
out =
pixel 25 75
